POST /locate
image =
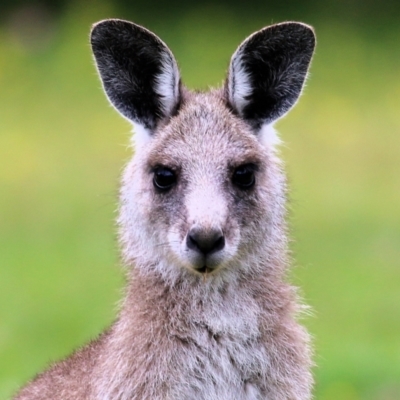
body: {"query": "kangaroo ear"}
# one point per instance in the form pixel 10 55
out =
pixel 268 70
pixel 139 73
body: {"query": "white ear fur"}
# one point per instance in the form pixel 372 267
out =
pixel 141 136
pixel 268 136
pixel 239 90
pixel 167 87
pixel 167 84
pixel 239 85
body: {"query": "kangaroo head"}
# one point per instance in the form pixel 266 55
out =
pixel 204 192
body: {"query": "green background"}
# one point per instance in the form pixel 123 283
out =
pixel 62 148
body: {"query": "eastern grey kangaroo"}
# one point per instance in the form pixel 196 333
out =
pixel 208 313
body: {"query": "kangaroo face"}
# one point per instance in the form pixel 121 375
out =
pixel 203 171
pixel 201 189
pixel 204 189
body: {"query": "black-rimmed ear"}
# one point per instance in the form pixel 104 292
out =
pixel 139 73
pixel 268 70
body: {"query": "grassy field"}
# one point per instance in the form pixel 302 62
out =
pixel 62 149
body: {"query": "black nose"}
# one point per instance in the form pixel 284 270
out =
pixel 205 241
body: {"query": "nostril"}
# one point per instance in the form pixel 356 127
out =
pixel 191 242
pixel 205 242
pixel 219 244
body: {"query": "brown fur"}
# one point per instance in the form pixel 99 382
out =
pixel 229 333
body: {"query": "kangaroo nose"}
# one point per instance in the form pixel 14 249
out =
pixel 205 241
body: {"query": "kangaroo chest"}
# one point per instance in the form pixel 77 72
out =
pixel 222 355
pixel 219 366
pixel 216 353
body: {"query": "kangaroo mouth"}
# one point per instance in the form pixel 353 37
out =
pixel 204 270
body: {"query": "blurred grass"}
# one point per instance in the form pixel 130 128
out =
pixel 62 149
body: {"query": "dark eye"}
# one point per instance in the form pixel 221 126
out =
pixel 164 178
pixel 244 177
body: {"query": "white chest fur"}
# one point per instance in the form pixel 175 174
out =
pixel 215 353
pixel 225 357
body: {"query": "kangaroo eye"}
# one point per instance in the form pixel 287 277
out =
pixel 244 177
pixel 164 178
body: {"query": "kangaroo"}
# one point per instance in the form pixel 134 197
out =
pixel 208 313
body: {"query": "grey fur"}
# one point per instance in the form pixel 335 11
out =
pixel 199 321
